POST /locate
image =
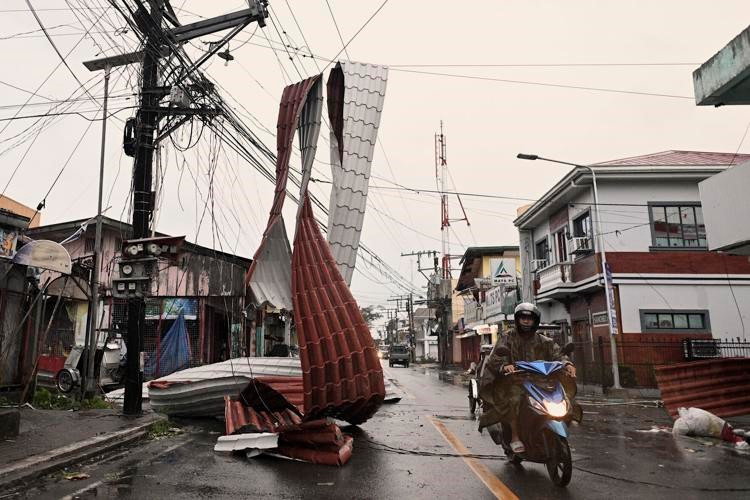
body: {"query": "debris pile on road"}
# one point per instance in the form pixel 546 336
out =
pixel 262 420
pixel 701 423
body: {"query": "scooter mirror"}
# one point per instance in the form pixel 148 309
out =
pixel 569 347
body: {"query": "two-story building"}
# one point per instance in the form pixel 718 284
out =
pixel 667 284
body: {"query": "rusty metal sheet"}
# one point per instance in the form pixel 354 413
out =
pixel 356 93
pixel 721 386
pixel 342 375
pixel 269 277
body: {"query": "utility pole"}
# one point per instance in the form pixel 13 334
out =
pixel 419 254
pixel 147 123
pixel 147 120
pixel 405 303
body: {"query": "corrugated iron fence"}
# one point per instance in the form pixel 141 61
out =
pixel 637 359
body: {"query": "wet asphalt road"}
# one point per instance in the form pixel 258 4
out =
pixel 404 452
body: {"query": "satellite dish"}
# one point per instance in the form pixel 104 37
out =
pixel 44 254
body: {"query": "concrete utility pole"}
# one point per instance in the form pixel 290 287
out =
pixel 142 206
pixel 158 43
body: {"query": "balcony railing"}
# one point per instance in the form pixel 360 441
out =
pixel 554 275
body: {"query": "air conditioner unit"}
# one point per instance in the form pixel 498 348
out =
pixel 538 264
pixel 580 245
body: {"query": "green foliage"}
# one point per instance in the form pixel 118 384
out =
pixel 46 400
pixel 162 429
pixel 95 403
pixel 370 314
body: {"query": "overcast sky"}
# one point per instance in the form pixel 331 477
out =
pixel 486 121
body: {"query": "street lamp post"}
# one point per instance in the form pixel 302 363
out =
pixel 600 242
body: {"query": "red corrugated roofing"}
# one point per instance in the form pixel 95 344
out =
pixel 318 441
pixel 292 101
pixel 331 454
pixel 341 372
pixel 720 386
pixel 680 158
pixel 240 418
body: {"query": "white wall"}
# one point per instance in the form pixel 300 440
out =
pixel 633 222
pixel 717 299
pixel 724 199
pixel 553 311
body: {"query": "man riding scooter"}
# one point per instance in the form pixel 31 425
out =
pixel 501 397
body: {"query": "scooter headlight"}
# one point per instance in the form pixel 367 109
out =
pixel 537 405
pixel 556 409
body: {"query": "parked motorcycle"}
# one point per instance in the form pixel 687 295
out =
pixel 109 364
pixel 544 415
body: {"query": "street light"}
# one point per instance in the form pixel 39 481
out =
pixel 104 64
pixel 600 239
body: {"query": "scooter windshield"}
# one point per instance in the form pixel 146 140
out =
pixel 540 367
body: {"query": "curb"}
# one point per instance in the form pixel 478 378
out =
pixel 44 463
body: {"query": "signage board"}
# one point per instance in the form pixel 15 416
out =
pixel 610 291
pixel 503 271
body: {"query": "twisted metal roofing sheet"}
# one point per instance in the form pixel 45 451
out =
pixel 342 375
pixel 356 92
pixel 269 276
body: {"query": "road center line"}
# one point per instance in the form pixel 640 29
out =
pixel 490 480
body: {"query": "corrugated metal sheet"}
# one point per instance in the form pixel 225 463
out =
pixel 200 391
pixel 356 93
pixel 240 418
pixel 240 442
pixel 721 386
pixel 309 132
pixel 269 276
pixel 341 370
pixel 328 454
pixel 680 158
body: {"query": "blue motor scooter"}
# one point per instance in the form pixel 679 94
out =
pixel 544 414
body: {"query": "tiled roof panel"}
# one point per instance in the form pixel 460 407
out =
pixel 341 371
pixel 680 158
pixel 356 92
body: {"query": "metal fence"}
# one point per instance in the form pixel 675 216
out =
pixel 637 359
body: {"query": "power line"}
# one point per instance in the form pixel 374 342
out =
pixel 541 84
pixel 333 18
pixel 46 34
pixel 544 65
pixel 357 33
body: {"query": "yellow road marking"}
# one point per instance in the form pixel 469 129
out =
pixel 490 480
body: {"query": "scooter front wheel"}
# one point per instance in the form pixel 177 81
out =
pixel 560 464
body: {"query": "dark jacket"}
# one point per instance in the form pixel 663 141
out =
pixel 498 398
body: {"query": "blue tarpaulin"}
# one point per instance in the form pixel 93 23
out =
pixel 172 353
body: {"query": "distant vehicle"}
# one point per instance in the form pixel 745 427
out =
pixel 383 352
pixel 399 354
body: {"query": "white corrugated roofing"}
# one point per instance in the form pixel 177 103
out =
pixel 271 281
pixel 309 131
pixel 364 94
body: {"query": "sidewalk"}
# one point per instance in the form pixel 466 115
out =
pixel 52 439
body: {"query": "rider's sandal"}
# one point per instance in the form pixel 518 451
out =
pixel 517 447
